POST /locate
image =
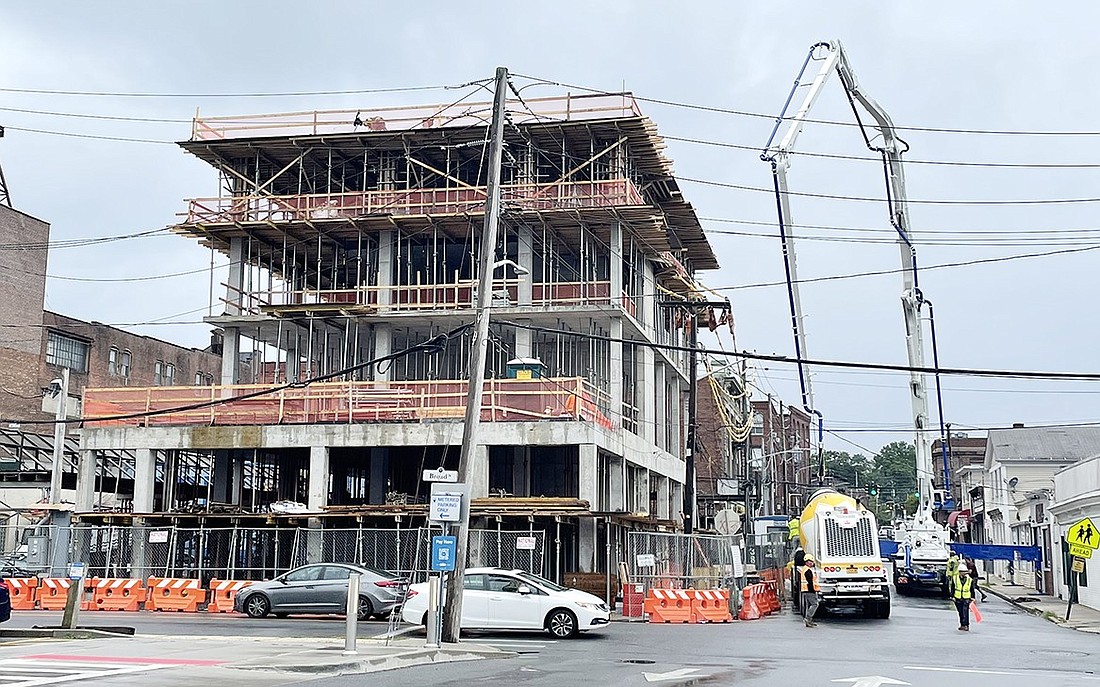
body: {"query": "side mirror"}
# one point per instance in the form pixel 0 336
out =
pixel 524 589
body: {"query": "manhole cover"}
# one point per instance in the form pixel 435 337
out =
pixel 1058 652
pixel 638 661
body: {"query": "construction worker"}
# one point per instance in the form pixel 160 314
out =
pixel 962 593
pixel 810 597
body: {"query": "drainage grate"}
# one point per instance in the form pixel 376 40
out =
pixel 638 661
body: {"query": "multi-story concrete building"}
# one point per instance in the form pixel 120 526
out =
pixel 352 239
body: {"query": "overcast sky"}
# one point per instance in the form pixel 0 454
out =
pixel 999 66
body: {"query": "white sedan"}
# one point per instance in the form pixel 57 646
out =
pixel 498 599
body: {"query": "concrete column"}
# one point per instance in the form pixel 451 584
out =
pixel 236 484
pixel 144 479
pixel 383 345
pixel 616 246
pixel 379 474
pixel 478 472
pixel 588 475
pixel 220 477
pixel 615 369
pixel 617 468
pixel 318 477
pixel 660 383
pixel 676 501
pixel 648 397
pixel 385 266
pixel 234 296
pixel 231 358
pixel 85 481
pixel 663 497
pixel 587 559
pixel 526 258
pixel 523 340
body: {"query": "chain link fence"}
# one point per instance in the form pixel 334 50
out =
pixel 241 553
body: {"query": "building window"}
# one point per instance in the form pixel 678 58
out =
pixel 199 379
pixel 158 373
pixel 65 351
pixel 758 423
pixel 169 374
pixel 124 364
pixel 112 362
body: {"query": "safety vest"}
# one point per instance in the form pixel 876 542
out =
pixel 805 586
pixel 792 528
pixel 962 586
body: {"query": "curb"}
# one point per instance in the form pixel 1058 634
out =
pixel 353 665
pixel 61 633
pixel 1030 610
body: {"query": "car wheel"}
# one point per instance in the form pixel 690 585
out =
pixel 257 606
pixel 365 610
pixel 424 620
pixel 562 623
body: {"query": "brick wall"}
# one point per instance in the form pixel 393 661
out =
pixel 22 290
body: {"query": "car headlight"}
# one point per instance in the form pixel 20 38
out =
pixel 590 606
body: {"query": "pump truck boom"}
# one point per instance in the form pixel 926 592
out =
pixel 922 542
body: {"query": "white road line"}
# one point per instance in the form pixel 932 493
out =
pixel 19 672
pixel 1030 673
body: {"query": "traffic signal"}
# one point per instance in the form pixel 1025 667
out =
pixel 873 491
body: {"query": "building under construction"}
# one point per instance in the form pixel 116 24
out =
pixel 352 241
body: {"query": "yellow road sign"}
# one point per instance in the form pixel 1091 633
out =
pixel 1084 533
pixel 1078 565
pixel 1080 551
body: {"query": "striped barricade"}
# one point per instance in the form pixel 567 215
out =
pixel 222 593
pixel 749 608
pixel 22 592
pixel 668 606
pixel 53 592
pixel 117 594
pixel 174 594
pixel 711 606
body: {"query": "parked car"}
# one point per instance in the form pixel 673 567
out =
pixel 322 588
pixel 498 599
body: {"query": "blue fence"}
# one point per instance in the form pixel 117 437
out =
pixel 979 552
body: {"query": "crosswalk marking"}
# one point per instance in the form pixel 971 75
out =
pixel 29 672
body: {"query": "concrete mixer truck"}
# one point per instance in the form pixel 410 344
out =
pixel 842 537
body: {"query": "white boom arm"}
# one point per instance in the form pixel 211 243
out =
pixel 833 58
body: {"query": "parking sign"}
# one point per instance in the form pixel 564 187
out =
pixel 443 553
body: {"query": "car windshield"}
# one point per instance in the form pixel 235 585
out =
pixel 542 582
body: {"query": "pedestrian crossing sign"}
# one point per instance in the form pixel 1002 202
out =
pixel 1084 533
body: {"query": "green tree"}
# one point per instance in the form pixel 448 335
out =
pixel 846 468
pixel 895 468
pixel 911 503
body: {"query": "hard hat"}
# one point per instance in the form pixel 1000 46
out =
pixel 809 559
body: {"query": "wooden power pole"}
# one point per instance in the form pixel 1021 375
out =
pixel 452 612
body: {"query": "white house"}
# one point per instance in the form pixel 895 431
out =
pixel 1077 496
pixel 1015 490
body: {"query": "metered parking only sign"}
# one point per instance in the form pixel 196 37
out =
pixel 443 553
pixel 445 506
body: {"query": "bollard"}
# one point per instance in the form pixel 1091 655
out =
pixel 352 618
pixel 433 620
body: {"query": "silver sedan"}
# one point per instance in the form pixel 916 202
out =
pixel 322 588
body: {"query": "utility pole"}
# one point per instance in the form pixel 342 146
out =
pixel 59 437
pixel 693 308
pixel 452 612
pixel 5 197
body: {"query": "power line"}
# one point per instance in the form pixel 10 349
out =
pixel 772 117
pixel 974 372
pixel 283 94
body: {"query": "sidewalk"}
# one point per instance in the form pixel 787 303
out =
pixel 280 654
pixel 1081 618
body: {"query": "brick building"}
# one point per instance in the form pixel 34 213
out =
pixel 780 456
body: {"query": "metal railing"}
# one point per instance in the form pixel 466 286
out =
pixel 316 122
pixel 504 400
pixel 419 201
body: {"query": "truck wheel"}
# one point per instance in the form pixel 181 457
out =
pixel 883 610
